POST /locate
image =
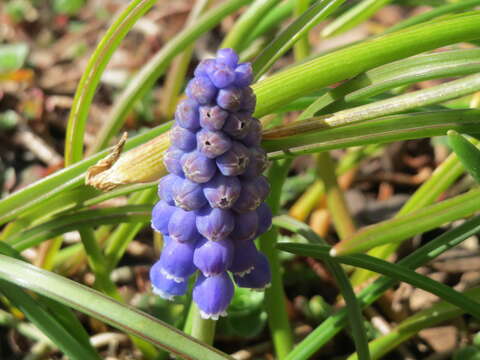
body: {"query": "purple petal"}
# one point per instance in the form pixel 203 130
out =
pixel 161 214
pixel 244 256
pixel 230 98
pixel 176 260
pixel 228 57
pixel 213 295
pixel 222 76
pixel 201 89
pixel 188 195
pixel 257 279
pixel 186 114
pixel 213 143
pixel 171 160
pixel 166 288
pixel 222 191
pixel 197 167
pixel 182 138
pixel 264 218
pixel 212 117
pixel 182 226
pixel 204 68
pixel 215 224
pixel 246 226
pixel 243 74
pixel 166 187
pixel 234 161
pixel 213 257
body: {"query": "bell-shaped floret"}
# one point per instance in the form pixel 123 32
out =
pixel 258 163
pixel 182 138
pixel 164 287
pixel 197 167
pixel 212 117
pixel 186 114
pixel 201 89
pixel 222 75
pixel 188 195
pixel 213 143
pixel 213 257
pixel 264 218
pixel 253 193
pixel 234 161
pixel 243 75
pixel 176 260
pixel 230 98
pixel 228 57
pixel 171 160
pixel 215 224
pixel 246 226
pixel 244 256
pixel 222 191
pixel 257 279
pixel 166 187
pixel 213 294
pixel 161 214
pixel 182 226
pixel 237 125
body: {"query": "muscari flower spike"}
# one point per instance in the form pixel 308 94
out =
pixel 212 202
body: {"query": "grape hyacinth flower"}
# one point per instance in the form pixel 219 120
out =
pixel 212 202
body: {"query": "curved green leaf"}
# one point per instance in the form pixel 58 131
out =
pixel 93 303
pixel 468 153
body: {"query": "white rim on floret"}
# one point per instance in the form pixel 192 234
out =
pixel 262 288
pixel 162 293
pixel 246 272
pixel 214 316
pixel 169 276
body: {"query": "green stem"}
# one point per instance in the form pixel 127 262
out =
pixel 203 329
pixel 301 48
pixel 275 301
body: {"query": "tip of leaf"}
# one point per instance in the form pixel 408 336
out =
pixel 333 252
pixel 451 133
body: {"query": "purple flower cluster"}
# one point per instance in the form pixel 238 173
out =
pixel 212 202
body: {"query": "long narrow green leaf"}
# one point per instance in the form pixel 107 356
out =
pixel 418 68
pixel 74 221
pixel 353 16
pixel 92 74
pixel 395 271
pixel 40 193
pixel 435 12
pixel 331 326
pixel 305 78
pixel 148 75
pixel 295 31
pixel 436 314
pixel 468 153
pixel 106 309
pixel 309 137
pixel 403 227
pixel 46 323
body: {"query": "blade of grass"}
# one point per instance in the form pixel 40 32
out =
pixel 37 234
pixel 399 73
pixel 436 314
pixel 250 18
pixel 46 323
pixel 149 74
pixel 395 271
pixel 106 309
pixel 302 48
pixel 376 131
pixel 468 153
pixel 92 74
pixel 435 12
pixel 315 74
pixel 332 325
pixel 293 33
pixel 403 227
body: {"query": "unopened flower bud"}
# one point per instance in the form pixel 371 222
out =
pixel 230 98
pixel 212 117
pixel 182 138
pixel 235 161
pixel 215 224
pixel 201 89
pixel 182 226
pixel 161 214
pixel 197 167
pixel 187 115
pixel 188 195
pixel 246 226
pixel 213 143
pixel 222 191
